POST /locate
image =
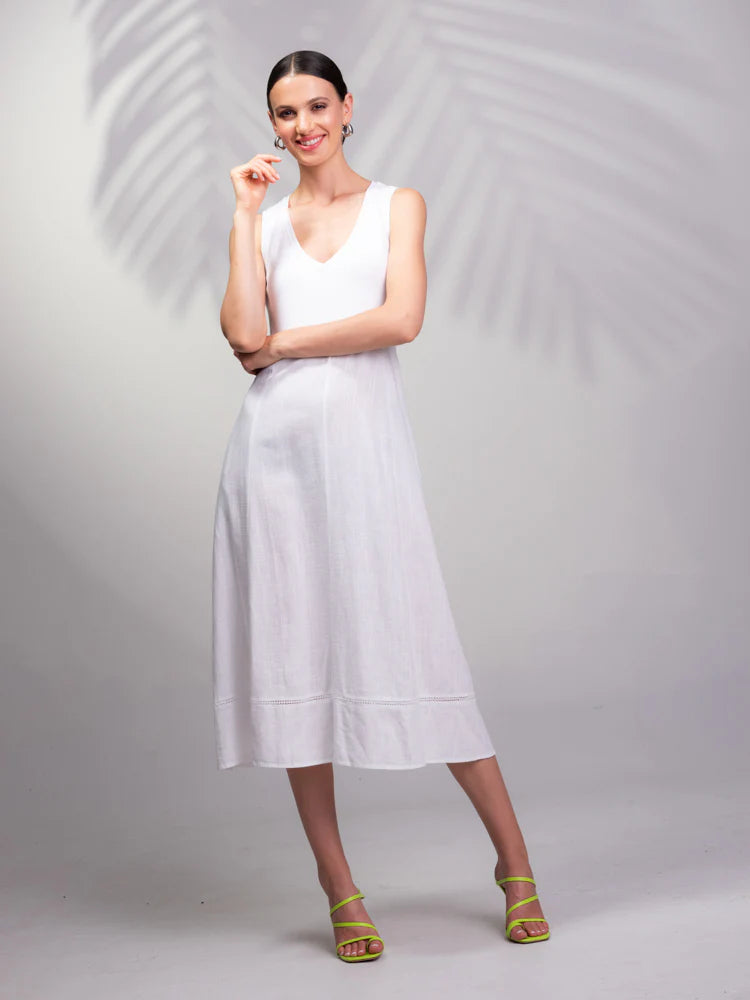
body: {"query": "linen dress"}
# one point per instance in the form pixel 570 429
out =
pixel 333 637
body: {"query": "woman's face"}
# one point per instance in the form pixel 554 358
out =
pixel 308 107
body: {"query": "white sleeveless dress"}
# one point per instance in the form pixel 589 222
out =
pixel 333 637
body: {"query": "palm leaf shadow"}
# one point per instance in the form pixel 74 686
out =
pixel 568 203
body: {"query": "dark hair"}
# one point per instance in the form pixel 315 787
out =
pixel 311 63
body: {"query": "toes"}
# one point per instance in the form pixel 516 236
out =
pixel 538 927
pixel 532 928
pixel 359 948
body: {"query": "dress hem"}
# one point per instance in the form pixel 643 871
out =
pixel 369 733
pixel 348 763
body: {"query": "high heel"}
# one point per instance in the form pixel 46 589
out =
pixel 368 955
pixel 530 938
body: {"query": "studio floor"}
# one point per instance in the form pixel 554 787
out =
pixel 646 892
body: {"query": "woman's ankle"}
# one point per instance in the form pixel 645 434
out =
pixel 337 885
pixel 514 864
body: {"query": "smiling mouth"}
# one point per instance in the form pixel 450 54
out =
pixel 311 143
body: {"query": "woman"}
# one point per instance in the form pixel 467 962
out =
pixel 333 637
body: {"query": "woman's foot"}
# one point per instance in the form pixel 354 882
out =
pixel 534 922
pixel 351 911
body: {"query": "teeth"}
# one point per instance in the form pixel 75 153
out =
pixel 310 142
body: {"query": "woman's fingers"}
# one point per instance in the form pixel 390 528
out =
pixel 268 167
pixel 262 161
pixel 257 173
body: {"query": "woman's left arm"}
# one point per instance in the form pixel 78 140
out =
pixel 397 321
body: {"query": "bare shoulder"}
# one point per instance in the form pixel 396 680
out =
pixel 409 200
pixel 408 213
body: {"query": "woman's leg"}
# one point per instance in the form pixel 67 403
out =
pixel 484 785
pixel 313 792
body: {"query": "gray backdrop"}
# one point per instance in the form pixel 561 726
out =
pixel 579 395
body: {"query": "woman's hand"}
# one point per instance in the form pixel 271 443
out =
pixel 255 361
pixel 250 191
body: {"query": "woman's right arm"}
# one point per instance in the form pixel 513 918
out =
pixel 243 311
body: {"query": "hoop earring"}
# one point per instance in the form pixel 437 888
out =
pixel 279 142
pixel 347 130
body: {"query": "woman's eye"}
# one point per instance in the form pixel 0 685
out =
pixel 289 110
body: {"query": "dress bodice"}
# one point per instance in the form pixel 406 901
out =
pixel 302 291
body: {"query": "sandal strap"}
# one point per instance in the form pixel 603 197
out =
pixel 354 923
pixel 365 937
pixel 522 902
pixel 357 895
pixel 514 906
pixel 515 878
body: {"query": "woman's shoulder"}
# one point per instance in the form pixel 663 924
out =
pixel 407 201
pixel 404 195
pixel 408 194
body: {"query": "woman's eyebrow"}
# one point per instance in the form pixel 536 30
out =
pixel 312 100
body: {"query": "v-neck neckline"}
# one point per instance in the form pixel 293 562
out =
pixel 322 263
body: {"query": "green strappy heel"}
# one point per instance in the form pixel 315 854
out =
pixel 368 955
pixel 530 938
